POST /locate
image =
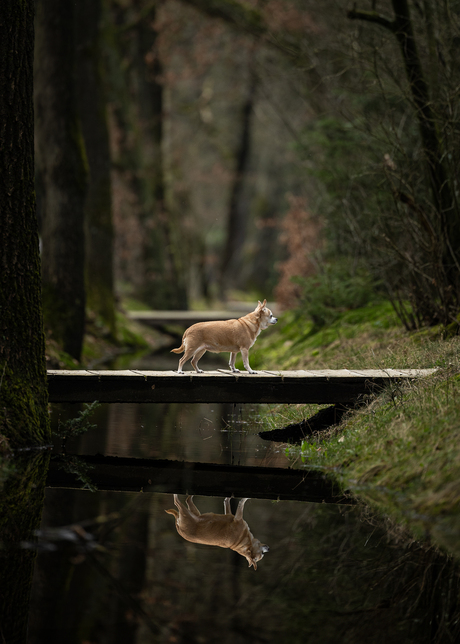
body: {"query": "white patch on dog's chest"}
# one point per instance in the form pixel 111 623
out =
pixel 254 341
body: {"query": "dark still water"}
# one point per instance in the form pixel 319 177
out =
pixel 112 568
pixel 214 433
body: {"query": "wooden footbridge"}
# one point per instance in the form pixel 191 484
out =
pixel 131 386
pixel 162 319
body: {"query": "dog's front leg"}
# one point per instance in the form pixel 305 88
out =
pixel 245 356
pixel 232 363
pixel 239 509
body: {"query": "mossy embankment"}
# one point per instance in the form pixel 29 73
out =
pixel 401 452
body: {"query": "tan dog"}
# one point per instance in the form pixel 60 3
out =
pixel 224 530
pixel 227 335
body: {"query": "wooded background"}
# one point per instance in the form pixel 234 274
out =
pixel 190 151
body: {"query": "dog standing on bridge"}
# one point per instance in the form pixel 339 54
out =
pixel 224 530
pixel 227 335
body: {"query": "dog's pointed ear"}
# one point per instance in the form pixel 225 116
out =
pixel 251 562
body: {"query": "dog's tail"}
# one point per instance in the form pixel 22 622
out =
pixel 181 349
pixel 175 512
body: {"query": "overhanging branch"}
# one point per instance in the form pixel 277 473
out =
pixel 372 16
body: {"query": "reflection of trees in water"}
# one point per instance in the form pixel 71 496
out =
pixel 361 583
pixel 333 574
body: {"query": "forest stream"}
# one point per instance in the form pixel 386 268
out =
pixel 111 566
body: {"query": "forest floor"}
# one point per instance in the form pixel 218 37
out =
pixel 401 452
pixel 100 347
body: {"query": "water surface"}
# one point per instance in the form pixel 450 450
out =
pixel 333 573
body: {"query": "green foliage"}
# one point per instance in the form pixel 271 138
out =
pixel 334 289
pixel 347 173
pixel 294 343
pixel 75 465
pixel 78 425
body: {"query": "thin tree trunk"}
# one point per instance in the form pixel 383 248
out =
pixel 164 284
pixel 98 205
pixel 62 173
pixel 442 196
pixel 237 213
pixel 402 28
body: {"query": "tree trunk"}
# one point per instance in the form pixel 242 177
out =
pixel 445 266
pixel 164 284
pixel 237 212
pixel 23 388
pixel 426 117
pixel 98 205
pixel 21 505
pixel 146 254
pixel 61 174
pixel 24 419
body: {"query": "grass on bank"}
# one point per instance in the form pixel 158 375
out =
pixel 400 453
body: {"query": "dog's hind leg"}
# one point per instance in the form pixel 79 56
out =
pixel 187 355
pixel 198 354
pixel 231 363
pixel 192 507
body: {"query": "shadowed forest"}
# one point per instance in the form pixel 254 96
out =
pixel 194 155
pixel 190 151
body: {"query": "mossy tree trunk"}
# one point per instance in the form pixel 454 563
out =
pixel 21 507
pixel 24 417
pixel 23 387
pixel 61 174
pixel 98 205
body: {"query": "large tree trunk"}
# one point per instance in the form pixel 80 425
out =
pixel 61 174
pixel 24 417
pixel 21 505
pixel 23 388
pixel 98 206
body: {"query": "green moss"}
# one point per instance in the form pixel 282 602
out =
pixel 400 454
pixel 21 505
pixel 24 420
pixel 295 344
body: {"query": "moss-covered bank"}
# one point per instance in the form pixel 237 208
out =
pixel 401 452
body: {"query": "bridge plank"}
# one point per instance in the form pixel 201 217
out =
pixel 323 387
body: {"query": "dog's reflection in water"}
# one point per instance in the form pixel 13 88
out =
pixel 224 530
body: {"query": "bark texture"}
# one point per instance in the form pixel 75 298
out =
pixel 23 393
pixel 164 284
pixel 61 174
pixel 23 388
pixel 91 99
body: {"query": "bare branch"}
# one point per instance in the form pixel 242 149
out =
pixel 372 16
